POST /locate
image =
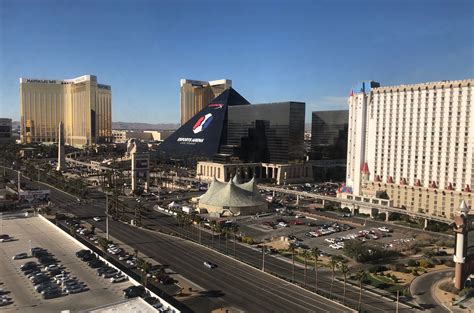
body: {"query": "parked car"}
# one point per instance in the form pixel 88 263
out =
pixel 54 293
pixel 119 278
pixel 110 273
pixel 83 252
pixel 134 291
pixel 20 256
pixel 75 289
pixel 97 219
pixel 28 265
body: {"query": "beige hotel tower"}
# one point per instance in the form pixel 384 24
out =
pixel 196 94
pixel 83 105
pixel 414 142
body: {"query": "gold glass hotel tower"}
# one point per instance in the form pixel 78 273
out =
pixel 83 105
pixel 196 94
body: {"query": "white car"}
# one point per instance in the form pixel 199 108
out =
pixel 119 278
pixel 97 219
pixel 283 224
pixel 384 229
pixel 330 240
pixel 336 246
pixel 209 265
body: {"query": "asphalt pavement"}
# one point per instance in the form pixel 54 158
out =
pixel 421 289
pixel 230 287
pixel 231 284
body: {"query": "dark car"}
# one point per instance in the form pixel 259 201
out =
pixel 47 260
pixel 103 269
pixel 55 272
pixel 134 291
pixel 95 263
pixel 40 254
pixel 30 269
pixel 41 280
pixel 53 293
pixel 88 257
pixel 28 266
pixel 46 286
pixel 109 273
pixel 82 253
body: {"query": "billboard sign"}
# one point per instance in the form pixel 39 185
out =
pixel 34 196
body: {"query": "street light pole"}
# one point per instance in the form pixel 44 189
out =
pixel 199 226
pixel 19 175
pixel 107 215
pixel 263 258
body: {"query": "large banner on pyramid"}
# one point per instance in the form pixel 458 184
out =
pixel 201 135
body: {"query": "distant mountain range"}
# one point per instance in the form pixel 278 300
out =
pixel 144 126
pixel 131 126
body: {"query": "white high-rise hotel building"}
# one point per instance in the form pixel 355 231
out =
pixel 415 142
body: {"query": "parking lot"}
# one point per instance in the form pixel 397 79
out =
pixel 308 232
pixel 35 232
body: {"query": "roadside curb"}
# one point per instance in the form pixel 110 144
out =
pixel 433 293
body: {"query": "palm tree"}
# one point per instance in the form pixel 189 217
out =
pixel 333 263
pixel 305 255
pixel 361 275
pixel 292 248
pixel 213 228
pixel 315 252
pixel 219 232
pixel 345 271
pixel 235 229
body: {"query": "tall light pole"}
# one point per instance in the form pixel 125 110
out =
pixel 199 226
pixel 263 258
pixel 19 175
pixel 107 215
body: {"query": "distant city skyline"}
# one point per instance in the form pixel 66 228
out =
pixel 272 52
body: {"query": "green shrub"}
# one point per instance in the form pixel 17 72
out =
pixel 377 268
pixel 412 263
pixel 425 263
pixel 414 272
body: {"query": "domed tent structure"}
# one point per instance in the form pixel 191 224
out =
pixel 232 199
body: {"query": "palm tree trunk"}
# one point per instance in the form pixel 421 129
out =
pixel 234 245
pixel 332 282
pixel 304 280
pixel 344 291
pixel 293 270
pixel 316 274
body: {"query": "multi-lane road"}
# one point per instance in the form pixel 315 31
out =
pixel 232 283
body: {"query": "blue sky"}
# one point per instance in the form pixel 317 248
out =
pixel 311 51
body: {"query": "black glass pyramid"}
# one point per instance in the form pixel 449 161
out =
pixel 201 135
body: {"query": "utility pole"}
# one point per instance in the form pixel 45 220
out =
pixel 199 226
pixel 19 175
pixel 107 215
pixel 263 258
pixel 398 293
